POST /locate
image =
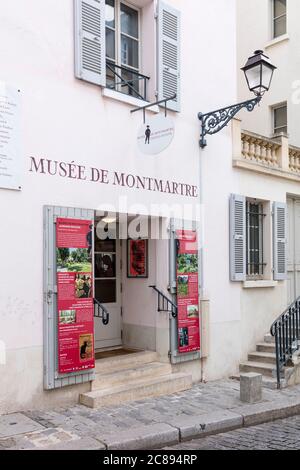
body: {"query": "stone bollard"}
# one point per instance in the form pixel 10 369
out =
pixel 250 387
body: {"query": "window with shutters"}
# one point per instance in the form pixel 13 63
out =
pixel 255 239
pixel 132 48
pixel 123 35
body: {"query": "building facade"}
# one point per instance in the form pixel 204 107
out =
pixel 268 156
pixel 85 164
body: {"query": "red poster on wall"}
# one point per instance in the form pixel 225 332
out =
pixel 75 295
pixel 137 258
pixel 187 292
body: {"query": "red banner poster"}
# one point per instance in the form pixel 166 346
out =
pixel 187 292
pixel 75 295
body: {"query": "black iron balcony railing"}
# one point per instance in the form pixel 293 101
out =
pixel 286 332
pixel 126 80
pixel 164 304
pixel 101 312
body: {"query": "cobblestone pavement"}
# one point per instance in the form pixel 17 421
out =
pixel 278 435
pixel 69 425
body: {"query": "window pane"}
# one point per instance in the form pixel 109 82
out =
pixel 133 89
pixel 110 44
pixel 105 246
pixel 279 8
pixel 280 119
pixel 280 26
pixel 110 83
pixel 129 21
pixel 129 52
pixel 110 13
pixel 106 291
pixel 105 265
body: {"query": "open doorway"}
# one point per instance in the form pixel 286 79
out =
pixel 108 290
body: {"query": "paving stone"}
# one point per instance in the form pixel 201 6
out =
pixel 85 443
pixel 17 423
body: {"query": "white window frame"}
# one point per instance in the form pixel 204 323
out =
pixel 274 18
pixel 118 34
pixel 276 130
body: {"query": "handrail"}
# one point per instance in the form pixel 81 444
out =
pixel 130 83
pixel 101 312
pixel 285 330
pixel 164 304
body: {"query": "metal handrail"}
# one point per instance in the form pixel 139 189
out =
pixel 101 312
pixel 164 304
pixel 130 83
pixel 285 330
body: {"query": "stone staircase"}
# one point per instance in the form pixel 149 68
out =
pixel 263 361
pixel 132 377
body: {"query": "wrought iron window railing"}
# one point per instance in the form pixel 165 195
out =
pixel 126 80
pixel 101 312
pixel 164 304
pixel 286 331
pixel 255 239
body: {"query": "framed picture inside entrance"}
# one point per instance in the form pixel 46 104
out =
pixel 137 259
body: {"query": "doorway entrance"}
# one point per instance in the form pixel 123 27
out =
pixel 107 268
pixel 293 249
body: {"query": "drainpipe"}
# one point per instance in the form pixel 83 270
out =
pixel 201 238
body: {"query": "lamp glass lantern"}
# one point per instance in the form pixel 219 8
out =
pixel 259 73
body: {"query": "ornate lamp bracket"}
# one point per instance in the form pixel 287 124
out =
pixel 215 121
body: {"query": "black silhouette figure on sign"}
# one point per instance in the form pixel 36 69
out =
pixel 148 135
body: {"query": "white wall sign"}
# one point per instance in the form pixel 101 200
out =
pixel 155 135
pixel 10 152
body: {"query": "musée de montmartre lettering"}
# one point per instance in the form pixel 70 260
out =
pixel 116 178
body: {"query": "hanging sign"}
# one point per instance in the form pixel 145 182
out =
pixel 155 135
pixel 187 291
pixel 10 154
pixel 75 295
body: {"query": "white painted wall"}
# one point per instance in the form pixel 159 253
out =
pixel 68 120
pixel 254 22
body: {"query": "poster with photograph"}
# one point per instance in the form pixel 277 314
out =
pixel 137 258
pixel 187 291
pixel 75 295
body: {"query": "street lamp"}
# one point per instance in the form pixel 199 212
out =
pixel 258 73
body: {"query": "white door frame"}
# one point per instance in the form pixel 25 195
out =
pixel 110 336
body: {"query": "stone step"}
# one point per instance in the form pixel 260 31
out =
pixel 265 357
pixel 268 338
pixel 123 376
pixel 137 390
pixel 265 347
pixel 126 361
pixel 258 367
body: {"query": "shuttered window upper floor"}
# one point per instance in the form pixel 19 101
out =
pixel 132 48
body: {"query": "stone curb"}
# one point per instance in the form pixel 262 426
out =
pixel 189 428
pixel 144 437
pixel 260 413
pixel 206 424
